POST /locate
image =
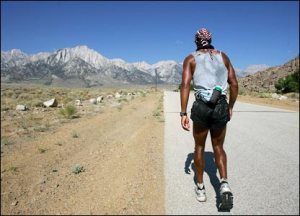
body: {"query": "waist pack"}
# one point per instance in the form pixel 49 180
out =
pixel 214 100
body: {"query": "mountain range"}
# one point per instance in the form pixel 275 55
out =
pixel 82 66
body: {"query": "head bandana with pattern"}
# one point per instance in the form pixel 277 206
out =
pixel 203 39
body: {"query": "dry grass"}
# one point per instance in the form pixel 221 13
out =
pixel 75 134
pixel 5 141
pixel 69 111
pixel 158 112
pixel 42 150
pixel 38 119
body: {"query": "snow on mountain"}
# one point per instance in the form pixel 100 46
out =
pixel 83 52
pixel 39 56
pixel 13 54
pixel 14 57
pixel 121 63
pixel 143 66
pixel 163 65
pixel 169 71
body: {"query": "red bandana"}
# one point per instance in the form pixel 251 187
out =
pixel 203 34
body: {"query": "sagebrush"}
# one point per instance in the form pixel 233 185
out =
pixel 68 111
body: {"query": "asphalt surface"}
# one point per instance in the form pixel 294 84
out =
pixel 262 147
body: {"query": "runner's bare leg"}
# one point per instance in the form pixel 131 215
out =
pixel 200 134
pixel 217 139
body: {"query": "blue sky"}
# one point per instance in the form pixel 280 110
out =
pixel 248 32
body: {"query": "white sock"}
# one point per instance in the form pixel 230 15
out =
pixel 201 186
pixel 224 179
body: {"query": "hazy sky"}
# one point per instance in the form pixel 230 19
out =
pixel 248 32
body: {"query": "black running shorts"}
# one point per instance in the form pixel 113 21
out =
pixel 209 117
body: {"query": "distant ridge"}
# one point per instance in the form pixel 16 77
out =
pixel 82 66
pixel 264 81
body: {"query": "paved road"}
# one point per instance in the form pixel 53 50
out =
pixel 262 146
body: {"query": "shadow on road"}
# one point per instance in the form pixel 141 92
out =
pixel 210 169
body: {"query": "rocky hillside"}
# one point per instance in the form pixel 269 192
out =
pixel 82 66
pixel 264 81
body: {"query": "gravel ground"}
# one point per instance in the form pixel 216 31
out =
pixel 119 158
pixel 262 146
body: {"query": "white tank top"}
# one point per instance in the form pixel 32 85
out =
pixel 210 71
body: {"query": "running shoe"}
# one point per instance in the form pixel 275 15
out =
pixel 200 192
pixel 226 202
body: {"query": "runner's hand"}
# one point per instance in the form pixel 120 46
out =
pixel 230 113
pixel 185 123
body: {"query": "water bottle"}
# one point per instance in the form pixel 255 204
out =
pixel 215 95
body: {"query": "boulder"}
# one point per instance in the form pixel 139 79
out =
pixel 109 96
pixel 117 95
pixel 50 103
pixel 100 99
pixel 78 103
pixel 282 97
pixel 21 107
pixel 93 101
pixel 275 96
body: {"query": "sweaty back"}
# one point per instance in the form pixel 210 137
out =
pixel 210 71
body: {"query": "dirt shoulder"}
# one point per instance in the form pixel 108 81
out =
pixel 121 151
pixel 292 105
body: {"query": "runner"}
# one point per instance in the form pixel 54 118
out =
pixel 212 73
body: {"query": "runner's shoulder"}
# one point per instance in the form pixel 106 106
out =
pixel 215 51
pixel 224 56
pixel 189 59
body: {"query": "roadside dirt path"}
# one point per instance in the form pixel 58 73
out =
pixel 292 105
pixel 121 151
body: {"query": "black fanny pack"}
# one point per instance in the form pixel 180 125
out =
pixel 215 97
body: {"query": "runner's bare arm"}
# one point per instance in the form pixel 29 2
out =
pixel 186 81
pixel 233 83
pixel 187 74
